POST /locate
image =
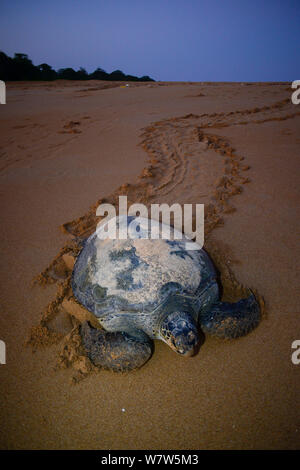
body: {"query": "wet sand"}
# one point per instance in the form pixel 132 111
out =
pixel 233 147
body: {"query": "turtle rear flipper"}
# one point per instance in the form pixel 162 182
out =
pixel 118 351
pixel 231 320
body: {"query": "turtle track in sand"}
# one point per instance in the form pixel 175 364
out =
pixel 176 148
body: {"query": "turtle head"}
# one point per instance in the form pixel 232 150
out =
pixel 179 330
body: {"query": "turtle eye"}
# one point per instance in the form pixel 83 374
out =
pixel 191 336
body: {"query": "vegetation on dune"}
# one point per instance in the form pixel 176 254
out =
pixel 20 67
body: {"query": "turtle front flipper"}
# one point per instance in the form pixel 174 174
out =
pixel 118 351
pixel 231 320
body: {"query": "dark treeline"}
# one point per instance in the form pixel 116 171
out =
pixel 20 67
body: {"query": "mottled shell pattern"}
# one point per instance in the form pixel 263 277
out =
pixel 130 280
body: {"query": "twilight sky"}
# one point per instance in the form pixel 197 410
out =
pixel 184 40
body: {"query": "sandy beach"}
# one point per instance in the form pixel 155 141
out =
pixel 232 146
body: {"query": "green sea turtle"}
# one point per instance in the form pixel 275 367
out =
pixel 142 289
